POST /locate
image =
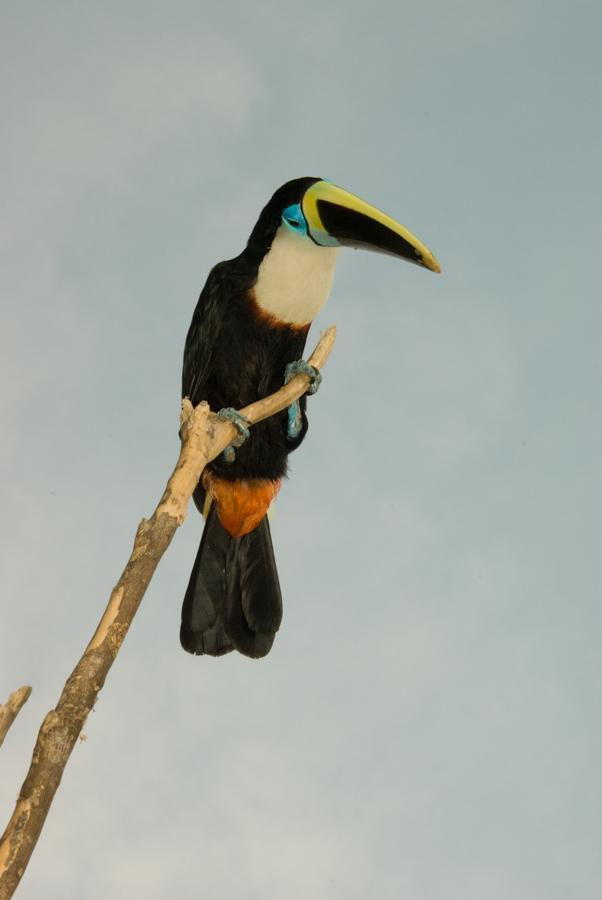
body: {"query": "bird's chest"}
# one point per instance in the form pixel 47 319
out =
pixel 294 279
pixel 250 354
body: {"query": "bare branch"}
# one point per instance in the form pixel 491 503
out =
pixel 11 709
pixel 204 436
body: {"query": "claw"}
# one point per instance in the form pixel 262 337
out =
pixel 241 423
pixel 301 367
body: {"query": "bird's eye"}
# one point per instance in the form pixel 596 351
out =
pixel 294 218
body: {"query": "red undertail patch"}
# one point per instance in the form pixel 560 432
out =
pixel 241 505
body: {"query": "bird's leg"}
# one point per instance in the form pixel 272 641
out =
pixel 241 423
pixel 300 367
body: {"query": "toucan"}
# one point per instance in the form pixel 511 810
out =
pixel 246 337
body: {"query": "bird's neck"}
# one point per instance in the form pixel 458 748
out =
pixel 294 278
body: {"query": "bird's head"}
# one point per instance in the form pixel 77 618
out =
pixel 318 211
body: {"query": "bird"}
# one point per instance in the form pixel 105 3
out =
pixel 246 337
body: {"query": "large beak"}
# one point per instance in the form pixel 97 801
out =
pixel 337 218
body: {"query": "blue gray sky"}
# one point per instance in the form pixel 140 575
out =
pixel 427 725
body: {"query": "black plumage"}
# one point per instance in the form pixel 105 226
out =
pixel 233 597
pixel 235 354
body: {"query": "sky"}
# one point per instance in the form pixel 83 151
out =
pixel 427 725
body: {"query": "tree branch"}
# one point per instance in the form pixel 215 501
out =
pixel 11 709
pixel 204 436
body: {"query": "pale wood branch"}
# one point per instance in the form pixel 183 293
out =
pixel 204 436
pixel 11 709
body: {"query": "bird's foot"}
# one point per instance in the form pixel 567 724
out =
pixel 300 367
pixel 241 423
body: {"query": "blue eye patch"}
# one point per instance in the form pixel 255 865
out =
pixel 294 219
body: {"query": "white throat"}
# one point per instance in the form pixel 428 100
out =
pixel 295 278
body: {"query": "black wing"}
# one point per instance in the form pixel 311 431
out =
pixel 203 333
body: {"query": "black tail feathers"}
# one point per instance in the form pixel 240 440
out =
pixel 233 599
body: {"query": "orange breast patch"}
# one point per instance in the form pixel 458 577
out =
pixel 241 505
pixel 271 320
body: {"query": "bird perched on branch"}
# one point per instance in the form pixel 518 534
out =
pixel 246 338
